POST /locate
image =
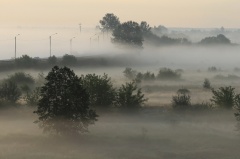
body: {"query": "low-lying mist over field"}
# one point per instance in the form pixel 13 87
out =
pixel 119 90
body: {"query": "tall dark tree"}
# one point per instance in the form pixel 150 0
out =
pixel 145 27
pixel 109 22
pixel 129 33
pixel 64 104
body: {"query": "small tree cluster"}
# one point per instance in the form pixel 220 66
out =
pixel 167 73
pixel 100 90
pixel 182 100
pixel 206 84
pixel 9 92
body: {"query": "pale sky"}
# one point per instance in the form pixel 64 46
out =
pixel 171 13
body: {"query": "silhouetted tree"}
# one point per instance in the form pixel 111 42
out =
pixel 224 97
pixel 69 60
pixel 130 97
pixel 145 28
pixel 64 104
pixel 52 60
pixel 219 39
pixel 109 22
pixel 128 33
pixel 100 89
pixel 9 92
pixel 26 61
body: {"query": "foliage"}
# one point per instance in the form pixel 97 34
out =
pixel 9 92
pixel 21 78
pixel 69 60
pixel 130 73
pixel 64 104
pixel 219 39
pixel 167 73
pixel 224 97
pixel 183 91
pixel 145 28
pixel 100 90
pixel 181 101
pixel 33 97
pixel 212 69
pixel 128 33
pixel 52 60
pixel 130 97
pixel 237 108
pixel 206 84
pixel 26 61
pixel 109 22
pixel 201 106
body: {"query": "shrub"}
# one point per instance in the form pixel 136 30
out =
pixel 201 106
pixel 130 73
pixel 69 60
pixel 26 61
pixel 129 97
pixel 9 92
pixel 32 97
pixel 166 73
pixel 100 90
pixel 212 69
pixel 183 91
pixel 181 101
pixel 52 60
pixel 64 104
pixel 224 97
pixel 21 78
pixel 206 84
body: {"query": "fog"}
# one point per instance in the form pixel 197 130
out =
pixel 157 131
pixel 152 134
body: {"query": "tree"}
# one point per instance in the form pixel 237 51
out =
pixel 145 28
pixel 129 97
pixel 224 97
pixel 206 84
pixel 128 33
pixel 182 101
pixel 69 60
pixel 130 73
pixel 219 39
pixel 26 61
pixel 109 22
pixel 9 92
pixel 64 104
pixel 52 60
pixel 100 89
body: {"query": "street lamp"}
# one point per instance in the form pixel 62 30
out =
pixel 50 38
pixel 91 39
pixel 16 46
pixel 71 44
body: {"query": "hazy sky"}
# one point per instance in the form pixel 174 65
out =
pixel 171 13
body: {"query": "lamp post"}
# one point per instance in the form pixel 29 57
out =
pixel 50 38
pixel 91 39
pixel 16 46
pixel 71 44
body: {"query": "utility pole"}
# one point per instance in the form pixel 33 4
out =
pixel 16 46
pixel 50 38
pixel 71 44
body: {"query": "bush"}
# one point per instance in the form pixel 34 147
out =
pixel 201 107
pixel 52 60
pixel 181 101
pixel 224 97
pixel 206 84
pixel 64 104
pixel 183 91
pixel 129 97
pixel 100 90
pixel 21 78
pixel 26 61
pixel 9 92
pixel 130 73
pixel 69 60
pixel 166 73
pixel 212 69
pixel 33 97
